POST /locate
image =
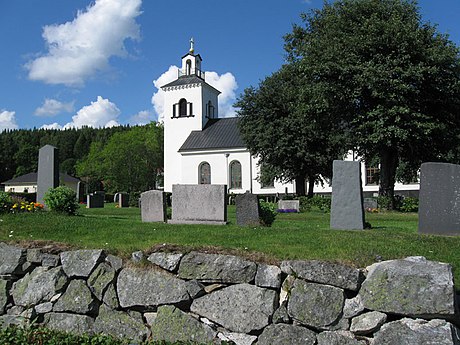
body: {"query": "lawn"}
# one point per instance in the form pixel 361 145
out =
pixel 292 236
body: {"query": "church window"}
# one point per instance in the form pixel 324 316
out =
pixel 204 173
pixel 183 107
pixel 372 175
pixel 188 67
pixel 235 175
pixel 210 110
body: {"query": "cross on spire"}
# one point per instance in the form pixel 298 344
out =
pixel 192 46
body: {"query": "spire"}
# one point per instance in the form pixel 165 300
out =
pixel 192 47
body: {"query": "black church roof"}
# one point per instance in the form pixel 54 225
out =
pixel 217 134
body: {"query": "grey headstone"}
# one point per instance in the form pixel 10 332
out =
pixel 199 204
pixel 153 206
pixel 347 212
pixel 247 210
pixel 95 200
pixel 439 203
pixel 370 203
pixel 48 171
pixel 293 205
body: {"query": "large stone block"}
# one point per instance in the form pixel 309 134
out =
pixel 11 259
pixel 76 299
pixel 439 206
pixel 199 204
pixel 80 263
pixel 417 332
pixel 39 286
pixel 247 210
pixel 413 286
pixel 339 338
pixel 3 295
pixel 215 268
pixel 153 206
pixel 149 288
pixel 239 308
pixel 71 323
pixel 48 170
pixel 347 212
pixel 315 305
pixel 323 272
pixel 173 325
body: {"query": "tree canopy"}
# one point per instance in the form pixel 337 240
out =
pixel 393 79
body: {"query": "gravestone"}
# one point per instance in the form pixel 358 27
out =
pixel 123 200
pixel 439 199
pixel 95 200
pixel 199 204
pixel 153 206
pixel 247 210
pixel 48 170
pixel 347 212
pixel 370 203
pixel 289 205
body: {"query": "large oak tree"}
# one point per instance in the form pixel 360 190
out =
pixel 393 80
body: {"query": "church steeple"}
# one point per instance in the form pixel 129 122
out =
pixel 191 63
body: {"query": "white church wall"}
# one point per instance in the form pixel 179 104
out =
pixel 209 94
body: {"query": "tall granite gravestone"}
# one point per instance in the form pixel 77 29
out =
pixel 199 204
pixel 48 170
pixel 347 212
pixel 153 206
pixel 247 210
pixel 439 199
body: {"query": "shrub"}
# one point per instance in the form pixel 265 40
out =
pixel 6 202
pixel 61 199
pixel 267 212
pixel 409 204
pixel 134 199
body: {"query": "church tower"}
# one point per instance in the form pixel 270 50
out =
pixel 189 102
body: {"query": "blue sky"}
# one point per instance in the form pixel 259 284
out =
pixel 97 63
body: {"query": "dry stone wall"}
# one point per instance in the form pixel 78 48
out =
pixel 215 299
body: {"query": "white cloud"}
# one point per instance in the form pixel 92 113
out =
pixel 142 118
pixel 82 47
pixel 101 113
pixel 52 107
pixel 7 120
pixel 52 126
pixel 225 83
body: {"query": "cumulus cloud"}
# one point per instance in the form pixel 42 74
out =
pixel 78 49
pixel 52 107
pixel 225 83
pixel 142 118
pixel 7 120
pixel 101 113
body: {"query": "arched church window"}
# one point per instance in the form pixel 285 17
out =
pixel 182 107
pixel 235 175
pixel 204 173
pixel 188 67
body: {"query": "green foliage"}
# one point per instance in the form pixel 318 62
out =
pixel 390 80
pixel 409 204
pixel 6 202
pixel 61 199
pixel 267 212
pixel 317 202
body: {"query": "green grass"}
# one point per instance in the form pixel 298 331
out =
pixel 292 236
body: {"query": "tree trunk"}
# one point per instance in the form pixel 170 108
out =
pixel 300 185
pixel 311 186
pixel 388 164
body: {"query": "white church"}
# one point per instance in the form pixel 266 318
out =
pixel 201 148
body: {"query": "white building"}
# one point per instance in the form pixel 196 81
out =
pixel 201 148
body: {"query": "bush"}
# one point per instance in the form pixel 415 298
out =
pixel 61 199
pixel 267 212
pixel 6 202
pixel 134 199
pixel 409 204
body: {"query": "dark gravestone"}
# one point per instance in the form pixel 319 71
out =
pixel 48 170
pixel 247 210
pixel 347 212
pixel 153 206
pixel 123 200
pixel 439 199
pixel 95 200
